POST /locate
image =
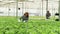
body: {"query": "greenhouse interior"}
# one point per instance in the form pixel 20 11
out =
pixel 29 16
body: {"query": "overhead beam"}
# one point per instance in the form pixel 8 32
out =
pixel 25 0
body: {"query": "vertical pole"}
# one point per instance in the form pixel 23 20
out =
pixel 8 9
pixel 16 8
pixel 22 7
pixel 52 12
pixel 42 8
pixel 59 10
pixel 46 5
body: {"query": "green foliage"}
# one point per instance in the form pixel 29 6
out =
pixel 10 25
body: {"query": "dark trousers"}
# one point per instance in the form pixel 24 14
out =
pixel 47 17
pixel 24 20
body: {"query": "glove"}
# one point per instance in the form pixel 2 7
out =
pixel 19 20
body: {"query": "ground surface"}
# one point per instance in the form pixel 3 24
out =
pixel 10 25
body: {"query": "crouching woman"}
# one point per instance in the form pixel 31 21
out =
pixel 25 17
pixel 48 14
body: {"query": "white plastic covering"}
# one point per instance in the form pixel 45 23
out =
pixel 34 7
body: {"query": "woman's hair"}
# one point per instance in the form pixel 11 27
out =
pixel 26 14
pixel 48 11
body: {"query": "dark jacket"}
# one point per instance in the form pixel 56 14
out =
pixel 48 14
pixel 57 14
pixel 24 18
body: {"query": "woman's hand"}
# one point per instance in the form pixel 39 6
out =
pixel 19 20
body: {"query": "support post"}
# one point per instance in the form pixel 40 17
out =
pixel 59 10
pixel 16 8
pixel 46 5
pixel 42 8
pixel 22 7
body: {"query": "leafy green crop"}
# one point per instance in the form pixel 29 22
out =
pixel 10 25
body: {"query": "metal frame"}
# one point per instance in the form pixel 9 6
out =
pixel 22 7
pixel 29 8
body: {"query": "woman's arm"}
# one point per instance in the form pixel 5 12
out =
pixel 20 18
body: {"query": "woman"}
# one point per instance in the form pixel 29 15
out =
pixel 48 15
pixel 57 16
pixel 25 17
